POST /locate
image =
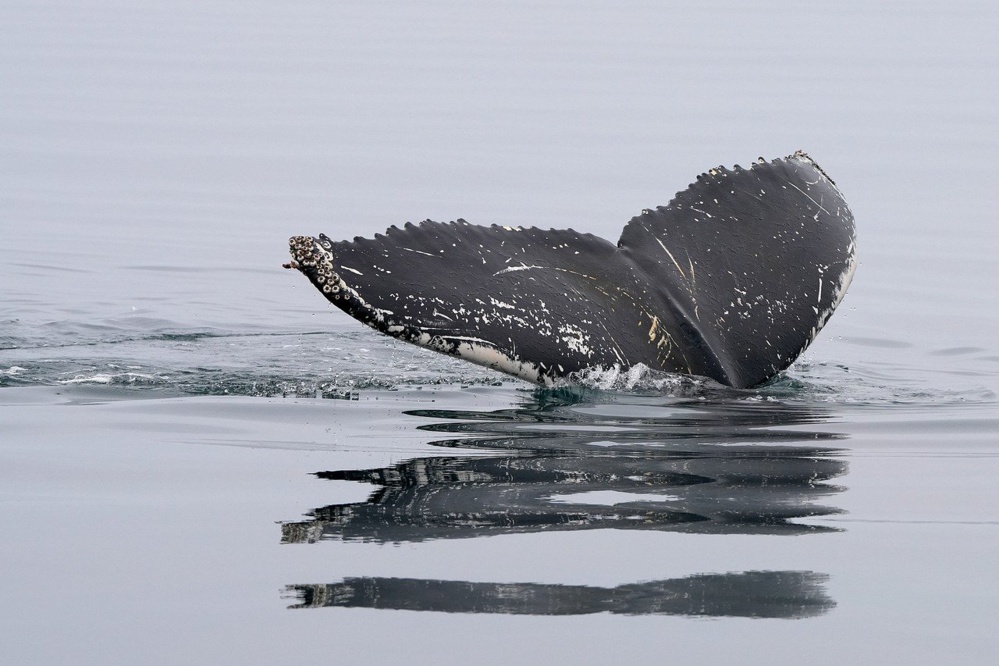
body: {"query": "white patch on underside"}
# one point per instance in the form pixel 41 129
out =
pixel 470 339
pixel 482 352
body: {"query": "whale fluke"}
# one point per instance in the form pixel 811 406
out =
pixel 731 280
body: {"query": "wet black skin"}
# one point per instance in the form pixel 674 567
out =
pixel 732 281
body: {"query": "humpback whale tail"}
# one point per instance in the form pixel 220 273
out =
pixel 731 280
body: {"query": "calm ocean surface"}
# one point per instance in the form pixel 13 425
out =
pixel 201 461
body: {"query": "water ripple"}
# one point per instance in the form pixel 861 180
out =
pixel 146 353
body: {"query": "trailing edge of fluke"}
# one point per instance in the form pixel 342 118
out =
pixel 731 280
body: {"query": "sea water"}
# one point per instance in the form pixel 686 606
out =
pixel 202 461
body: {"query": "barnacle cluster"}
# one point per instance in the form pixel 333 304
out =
pixel 314 258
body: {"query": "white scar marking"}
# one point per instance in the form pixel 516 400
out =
pixel 522 267
pixel 352 270
pixel 810 198
pixel 669 254
pixel 409 249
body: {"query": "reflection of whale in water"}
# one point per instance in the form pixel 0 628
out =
pixel 707 469
pixel 561 462
pixel 731 492
pixel 761 594
pixel 732 280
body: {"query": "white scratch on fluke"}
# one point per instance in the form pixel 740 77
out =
pixel 551 306
pixel 511 269
pixel 409 249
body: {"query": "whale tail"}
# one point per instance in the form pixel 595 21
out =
pixel 731 280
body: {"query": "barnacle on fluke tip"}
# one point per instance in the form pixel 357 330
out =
pixel 731 280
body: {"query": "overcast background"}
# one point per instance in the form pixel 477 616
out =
pixel 186 135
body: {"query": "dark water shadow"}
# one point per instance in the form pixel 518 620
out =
pixel 574 461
